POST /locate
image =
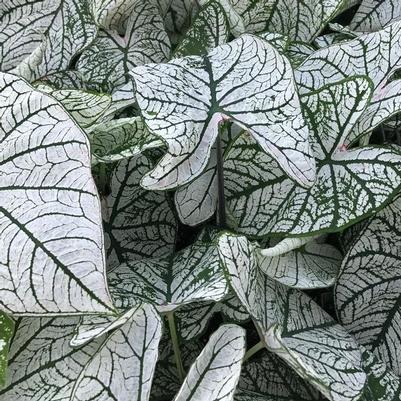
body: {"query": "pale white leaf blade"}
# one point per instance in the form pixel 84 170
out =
pixel 50 210
pixel 215 373
pixel 193 114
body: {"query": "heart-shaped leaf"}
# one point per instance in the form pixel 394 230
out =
pixel 247 81
pixel 50 224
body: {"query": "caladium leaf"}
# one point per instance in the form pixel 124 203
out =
pixel 6 333
pixel 43 36
pixel 215 373
pixel 373 15
pixel 120 139
pixel 293 326
pixel 184 101
pixel 314 265
pixel 386 103
pixel 85 107
pixel 138 223
pixel 268 376
pixel 209 30
pixel 370 269
pixel 382 384
pixel 302 22
pixel 298 52
pixel 78 374
pixel 64 80
pixel 48 205
pixel 360 56
pixel 193 319
pixel 191 275
pixel 106 63
pixel 279 41
pixel 91 327
pixel 350 183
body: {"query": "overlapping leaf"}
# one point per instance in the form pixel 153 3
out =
pixel 6 333
pixel 293 326
pixel 139 223
pixel 382 384
pixel 269 378
pixel 209 29
pixel 85 107
pixel 368 288
pixel 247 81
pixel 106 63
pixel 50 224
pixel 120 139
pixel 300 21
pixel 78 374
pixel 92 327
pixel 215 373
pixel 313 265
pixel 43 36
pixel 192 275
pixel 373 15
pixel 193 319
pixel 350 183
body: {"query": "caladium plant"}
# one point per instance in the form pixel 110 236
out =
pixel 200 200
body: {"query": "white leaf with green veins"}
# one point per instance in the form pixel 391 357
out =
pixel 373 15
pixel 350 184
pixel 196 202
pixel 314 265
pixel 6 334
pixel 138 223
pixel 368 287
pixel 85 107
pixel 43 36
pixel 209 30
pixel 386 103
pixel 91 327
pixel 302 20
pixel 266 375
pixel 120 139
pixel 106 62
pixel 50 223
pixel 299 21
pixel 360 56
pixel 191 275
pixel 185 100
pixel 214 374
pixel 83 374
pixel 293 326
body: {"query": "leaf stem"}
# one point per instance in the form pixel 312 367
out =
pixel 253 350
pixel 176 346
pixel 220 184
